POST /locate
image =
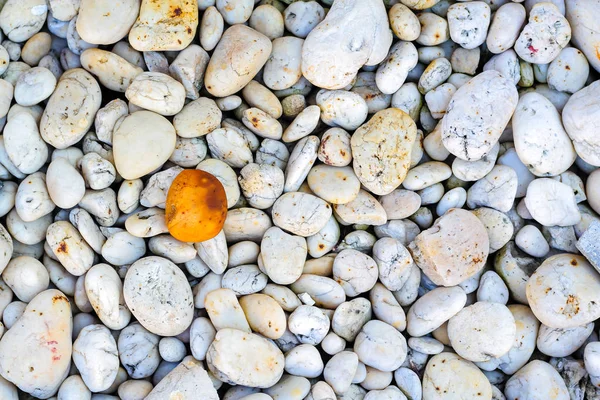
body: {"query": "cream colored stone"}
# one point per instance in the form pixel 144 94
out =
pixel 101 22
pixel 164 25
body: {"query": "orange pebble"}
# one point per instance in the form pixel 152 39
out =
pixel 196 206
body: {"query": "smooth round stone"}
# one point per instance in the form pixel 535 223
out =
pixel 443 251
pixel 96 358
pixel 301 17
pixel 113 71
pixel 301 213
pixel 153 137
pixel 577 117
pixel 26 276
pixel 138 351
pixel 539 45
pixel 356 272
pixel 69 248
pixel 591 359
pixel 102 23
pixel 563 292
pixel 447 375
pixel 151 279
pixel 498 226
pixel 505 27
pixel 496 190
pixel 283 69
pixel 66 186
pixel 324 291
pixel 552 203
pixel 20 20
pixel 34 86
pixel 335 148
pixel 468 23
pixel 202 333
pixel 134 389
pixel 158 92
pixel 580 15
pixel 380 346
pixel 72 387
pixel 310 324
pixel 340 370
pixel 61 128
pixel 104 291
pixel 283 255
pixel 245 279
pixel 426 174
pixel 426 345
pixel 304 360
pixel 264 315
pixel 394 262
pixel 24 146
pixel 330 58
pixel 229 70
pixel 531 241
pixel 386 308
pixel 35 354
pixel 364 209
pixel 349 317
pixel 492 288
pixel 263 362
pixel 400 203
pixel 160 28
pixel 540 139
pixel 433 309
pixel 336 185
pixel 482 331
pixel 556 342
pixel 381 150
pixel 537 380
pixel 470 129
pixel 261 184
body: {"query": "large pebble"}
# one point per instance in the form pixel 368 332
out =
pixel 540 139
pixel 448 376
pixel 300 213
pixel 454 249
pixel 482 331
pixel 477 115
pixel 99 22
pixel 263 361
pixel 381 149
pixel 552 203
pixel 113 71
pixel 66 186
pixel 96 358
pixel 153 138
pixel 23 143
pixel 283 255
pixel 166 25
pixel 354 33
pixel 20 20
pixel 159 296
pixel 433 309
pixel 537 380
pixel 546 34
pixel 380 346
pixel 468 23
pixel 69 248
pixel 577 117
pixel 104 290
pixel 35 354
pixel 581 17
pixel 71 109
pixel 158 92
pixel 563 292
pixel 229 69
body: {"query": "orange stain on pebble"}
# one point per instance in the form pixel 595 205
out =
pixel 196 206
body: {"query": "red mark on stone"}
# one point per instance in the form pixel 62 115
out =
pixel 55 358
pixel 532 49
pixel 52 342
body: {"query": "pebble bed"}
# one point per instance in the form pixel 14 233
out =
pixel 387 200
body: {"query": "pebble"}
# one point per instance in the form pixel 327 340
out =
pixel 462 132
pixel 570 304
pixel 552 203
pixel 36 353
pixel 381 150
pixel 433 309
pixel 169 283
pixel 227 71
pixel 562 342
pixel 449 375
pixel 460 258
pixel 482 331
pixel 264 361
pixel 96 343
pixel 528 382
